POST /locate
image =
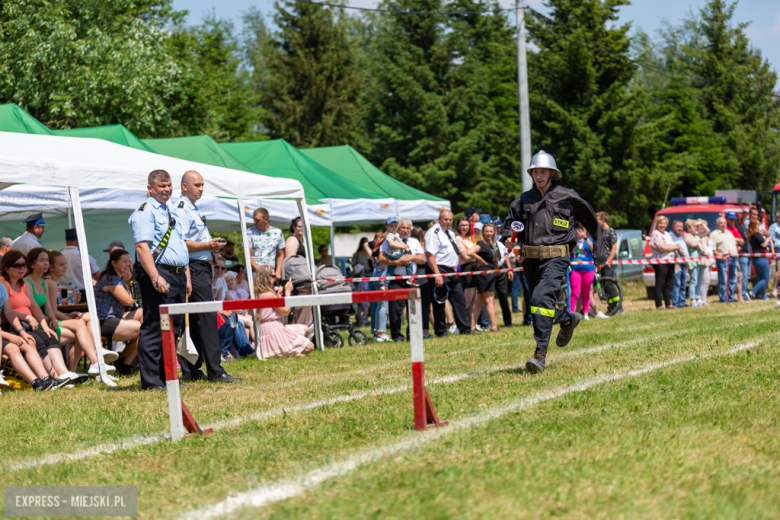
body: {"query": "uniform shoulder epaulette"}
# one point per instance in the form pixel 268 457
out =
pixel 436 229
pixel 181 204
pixel 143 207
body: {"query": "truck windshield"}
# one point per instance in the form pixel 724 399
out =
pixel 709 216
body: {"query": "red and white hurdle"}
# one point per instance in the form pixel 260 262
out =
pixel 182 421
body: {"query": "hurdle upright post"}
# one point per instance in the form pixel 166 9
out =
pixel 424 413
pixel 171 375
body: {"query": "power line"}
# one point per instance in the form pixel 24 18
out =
pixel 394 11
pixel 641 64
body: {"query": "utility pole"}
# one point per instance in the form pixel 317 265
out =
pixel 523 105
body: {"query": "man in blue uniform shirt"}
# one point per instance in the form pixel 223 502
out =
pixel 163 255
pixel 201 247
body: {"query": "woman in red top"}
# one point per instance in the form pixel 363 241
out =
pixel 12 269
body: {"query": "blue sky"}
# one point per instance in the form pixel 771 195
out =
pixel 763 15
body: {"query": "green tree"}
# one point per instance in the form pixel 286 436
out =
pixel 225 88
pixel 481 103
pixel 92 63
pixel 738 96
pixel 405 107
pixel 582 110
pixel 310 87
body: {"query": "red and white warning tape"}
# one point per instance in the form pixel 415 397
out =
pixel 646 261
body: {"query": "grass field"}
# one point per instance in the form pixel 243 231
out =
pixel 649 414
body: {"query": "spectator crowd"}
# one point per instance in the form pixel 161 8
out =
pixel 45 334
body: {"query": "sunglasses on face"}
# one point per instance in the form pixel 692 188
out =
pixel 19 265
pixel 220 268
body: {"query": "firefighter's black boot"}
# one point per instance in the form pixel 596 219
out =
pixel 536 364
pixel 564 335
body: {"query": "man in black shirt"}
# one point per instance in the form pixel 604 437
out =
pixel 549 212
pixel 229 254
pixel 610 247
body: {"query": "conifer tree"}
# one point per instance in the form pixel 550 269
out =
pixel 482 107
pixel 582 110
pixel 738 97
pixel 311 83
pixel 405 108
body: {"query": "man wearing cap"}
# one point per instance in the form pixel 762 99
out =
pixel 74 274
pixel 163 275
pixel 549 212
pixel 201 247
pixel 114 244
pixel 30 239
pixel 442 255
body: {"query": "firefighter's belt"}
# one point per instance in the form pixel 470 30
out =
pixel 545 252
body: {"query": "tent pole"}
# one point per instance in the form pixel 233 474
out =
pixel 250 279
pixel 84 254
pixel 70 205
pixel 304 212
pixel 332 238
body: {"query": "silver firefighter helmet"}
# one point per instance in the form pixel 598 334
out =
pixel 544 160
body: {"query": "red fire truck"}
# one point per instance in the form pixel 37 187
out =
pixel 709 209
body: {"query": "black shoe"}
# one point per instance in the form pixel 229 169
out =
pixel 41 385
pixel 445 335
pixel 196 376
pixel 161 388
pixel 224 378
pixel 536 364
pixel 564 335
pixel 471 332
pixel 122 367
pixel 398 340
pixel 57 383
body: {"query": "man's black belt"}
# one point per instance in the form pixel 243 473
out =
pixel 172 268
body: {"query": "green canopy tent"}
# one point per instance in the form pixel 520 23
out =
pixel 351 202
pixel 204 149
pixel 14 119
pixel 410 202
pixel 118 134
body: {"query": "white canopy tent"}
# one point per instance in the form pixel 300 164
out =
pixel 94 164
pixel 106 213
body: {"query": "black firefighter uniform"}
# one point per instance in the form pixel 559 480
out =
pixel 549 236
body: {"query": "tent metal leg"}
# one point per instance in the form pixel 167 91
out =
pixel 84 254
pixel 304 212
pixel 250 279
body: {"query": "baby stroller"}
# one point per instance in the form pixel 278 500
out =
pixel 336 317
pixel 296 269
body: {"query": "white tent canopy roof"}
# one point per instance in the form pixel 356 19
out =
pixel 95 163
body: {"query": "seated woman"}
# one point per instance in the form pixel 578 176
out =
pixel 12 269
pixel 19 348
pixel 111 298
pixel 277 339
pixel 234 293
pixel 70 329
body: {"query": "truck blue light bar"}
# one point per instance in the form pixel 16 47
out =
pixel 681 201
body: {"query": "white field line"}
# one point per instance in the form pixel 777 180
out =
pixel 340 376
pixel 283 490
pixel 142 440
